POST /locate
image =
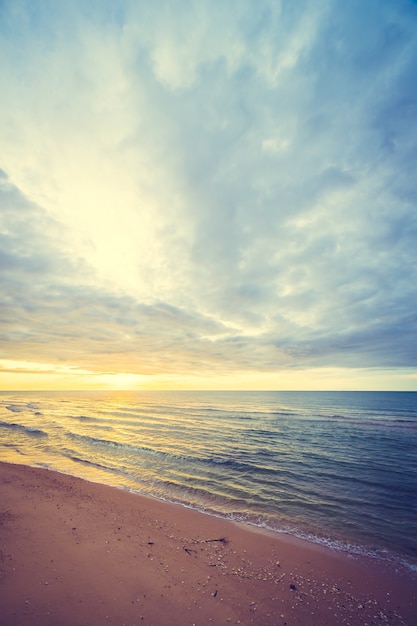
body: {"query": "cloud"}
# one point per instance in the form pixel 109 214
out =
pixel 199 185
pixel 52 307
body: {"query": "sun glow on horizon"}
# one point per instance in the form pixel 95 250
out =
pixel 31 376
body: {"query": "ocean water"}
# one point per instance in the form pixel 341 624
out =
pixel 338 468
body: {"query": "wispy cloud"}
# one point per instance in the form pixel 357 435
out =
pixel 194 187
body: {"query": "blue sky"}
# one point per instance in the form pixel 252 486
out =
pixel 208 194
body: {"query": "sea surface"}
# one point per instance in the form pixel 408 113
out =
pixel 337 468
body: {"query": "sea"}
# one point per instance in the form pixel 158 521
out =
pixel 334 468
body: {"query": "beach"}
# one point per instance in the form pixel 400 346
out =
pixel 74 552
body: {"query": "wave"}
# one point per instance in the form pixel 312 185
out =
pixel 241 466
pixel 27 430
pixel 15 408
pixel 85 418
pixel 97 441
pixel 20 408
pixel 131 448
pixel 77 459
pixel 230 463
pixel 371 420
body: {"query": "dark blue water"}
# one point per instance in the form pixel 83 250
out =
pixel 334 467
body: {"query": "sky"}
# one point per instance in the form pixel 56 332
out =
pixel 208 194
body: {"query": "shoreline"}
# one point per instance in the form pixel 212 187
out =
pixel 383 557
pixel 78 552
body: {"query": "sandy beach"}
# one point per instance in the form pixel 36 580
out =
pixel 79 553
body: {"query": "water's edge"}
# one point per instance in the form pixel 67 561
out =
pixel 334 545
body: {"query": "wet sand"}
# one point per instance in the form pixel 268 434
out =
pixel 75 553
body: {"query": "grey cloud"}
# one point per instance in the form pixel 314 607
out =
pixel 60 316
pixel 288 131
